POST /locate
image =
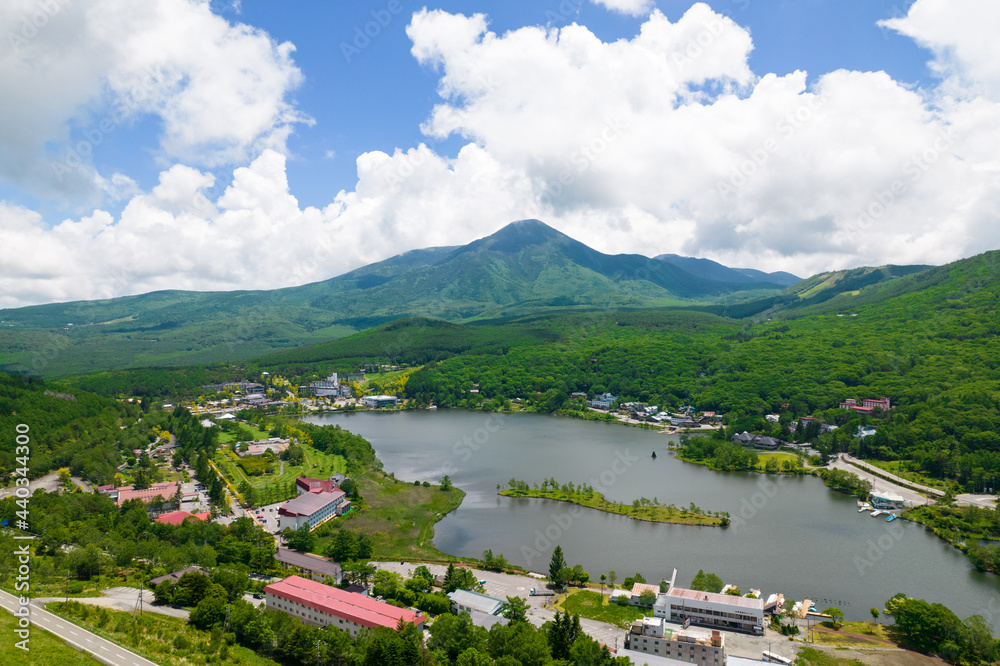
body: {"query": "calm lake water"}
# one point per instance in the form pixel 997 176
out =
pixel 789 535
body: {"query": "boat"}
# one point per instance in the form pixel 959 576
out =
pixel 876 512
pixel 891 517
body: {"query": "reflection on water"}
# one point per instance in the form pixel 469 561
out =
pixel 789 535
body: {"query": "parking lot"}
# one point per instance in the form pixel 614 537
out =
pixel 267 516
pixel 501 586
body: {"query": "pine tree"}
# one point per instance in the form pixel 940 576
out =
pixel 557 564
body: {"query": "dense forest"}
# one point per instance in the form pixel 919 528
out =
pixel 67 428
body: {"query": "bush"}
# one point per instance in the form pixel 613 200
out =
pixel 76 587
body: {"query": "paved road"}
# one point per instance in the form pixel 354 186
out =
pixel 77 637
pixel 853 464
pixel 845 462
pixel 48 483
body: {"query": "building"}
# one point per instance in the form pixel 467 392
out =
pixel 486 620
pixel 321 605
pixel 650 635
pixel 864 431
pixel 275 445
pixel 464 600
pixel 710 609
pixel 639 588
pixel 877 403
pixel 246 387
pixel 305 484
pixel 379 401
pixel 178 517
pixel 314 565
pixel 162 492
pixel 772 418
pixel 176 576
pixel 886 500
pixel 329 388
pixel 314 507
pixel 868 405
pixel 757 441
pixel 603 401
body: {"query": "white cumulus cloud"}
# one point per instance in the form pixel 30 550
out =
pixel 75 73
pixel 664 142
pixel 630 7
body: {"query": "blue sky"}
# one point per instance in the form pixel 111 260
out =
pixel 236 135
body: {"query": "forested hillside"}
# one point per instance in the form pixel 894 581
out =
pixel 933 351
pixel 67 428
pixel 526 267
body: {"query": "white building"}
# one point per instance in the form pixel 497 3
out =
pixel 886 500
pixel 313 508
pixel 465 600
pixel 710 609
pixel 650 635
pixel 379 401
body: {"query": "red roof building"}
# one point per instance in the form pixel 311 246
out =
pixel 322 605
pixel 868 405
pixel 178 517
pixel 307 485
pixel 158 491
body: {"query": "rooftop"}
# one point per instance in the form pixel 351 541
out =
pixel 475 599
pixel 178 517
pixel 313 563
pixel 176 575
pixel 639 588
pixel 697 595
pixel 334 601
pixel 309 503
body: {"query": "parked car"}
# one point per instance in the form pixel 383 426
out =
pixel 258 595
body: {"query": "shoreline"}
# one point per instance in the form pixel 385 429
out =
pixel 599 503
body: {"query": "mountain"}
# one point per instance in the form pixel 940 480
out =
pixel 525 267
pixel 711 270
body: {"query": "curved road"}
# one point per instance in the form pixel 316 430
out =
pixel 78 637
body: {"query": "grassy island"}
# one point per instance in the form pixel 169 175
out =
pixel 640 509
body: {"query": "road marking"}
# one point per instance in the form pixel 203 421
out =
pixel 88 640
pixel 103 648
pixel 73 632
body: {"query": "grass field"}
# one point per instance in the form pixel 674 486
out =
pixel 595 500
pixel 595 606
pixel 165 640
pixel 55 585
pixel 398 516
pixel 44 648
pixel 853 634
pixel 762 458
pixel 226 437
pixel 317 464
pixel 391 379
pixel 814 657
pixel 902 469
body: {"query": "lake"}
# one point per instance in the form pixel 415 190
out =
pixel 789 534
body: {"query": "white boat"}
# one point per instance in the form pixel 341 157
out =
pixel 876 512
